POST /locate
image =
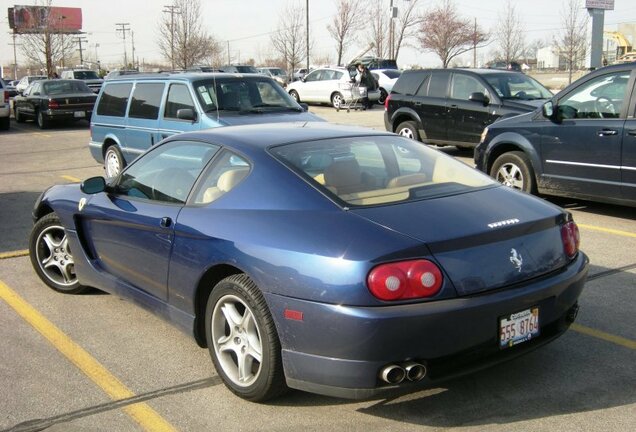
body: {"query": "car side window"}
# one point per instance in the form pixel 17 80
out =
pixel 34 88
pixel 145 101
pixel 464 85
pixel 223 175
pixel 178 98
pixel 114 100
pixel 601 97
pixel 167 173
pixel 314 76
pixel 438 84
pixel 328 75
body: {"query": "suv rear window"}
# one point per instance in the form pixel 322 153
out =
pixel 377 170
pixel 409 82
pixel 114 100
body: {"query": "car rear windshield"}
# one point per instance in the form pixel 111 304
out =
pixel 517 86
pixel 243 95
pixel 85 75
pixel 57 87
pixel 377 170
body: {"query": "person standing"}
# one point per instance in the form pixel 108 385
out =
pixel 365 79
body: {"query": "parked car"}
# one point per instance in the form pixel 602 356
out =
pixel 27 80
pixel 120 72
pixel 5 107
pixel 135 112
pixel 500 64
pixel 47 101
pixel 331 259
pixel 581 143
pixel 90 78
pixel 326 85
pixel 452 106
pixel 299 74
pixel 386 79
pixel 373 63
pixel 276 73
pixel 9 87
pixel 238 69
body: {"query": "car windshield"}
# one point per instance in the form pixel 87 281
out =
pixel 58 87
pixel 517 86
pixel 244 96
pixel 377 170
pixel 85 75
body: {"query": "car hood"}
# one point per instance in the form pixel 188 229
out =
pixel 232 118
pixel 484 239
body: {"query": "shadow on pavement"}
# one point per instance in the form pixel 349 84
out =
pixel 15 214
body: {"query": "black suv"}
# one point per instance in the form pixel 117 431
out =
pixel 581 144
pixel 452 106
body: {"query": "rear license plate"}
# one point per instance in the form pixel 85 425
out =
pixel 518 327
pixel 80 114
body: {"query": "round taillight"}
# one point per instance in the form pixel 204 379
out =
pixel 405 280
pixel 571 238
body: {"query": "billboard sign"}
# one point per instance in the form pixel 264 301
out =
pixel 599 4
pixel 37 19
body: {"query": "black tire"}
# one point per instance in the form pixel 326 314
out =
pixel 51 255
pixel 383 95
pixel 42 120
pixel 408 129
pixel 294 94
pixel 515 170
pixel 19 118
pixel 237 296
pixel 5 122
pixel 114 161
pixel 337 101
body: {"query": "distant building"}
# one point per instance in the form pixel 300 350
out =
pixel 548 59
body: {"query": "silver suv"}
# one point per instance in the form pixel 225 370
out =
pixel 90 78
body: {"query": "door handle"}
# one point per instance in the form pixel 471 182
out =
pixel 631 132
pixel 607 132
pixel 165 222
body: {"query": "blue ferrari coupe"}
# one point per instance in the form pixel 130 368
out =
pixel 336 260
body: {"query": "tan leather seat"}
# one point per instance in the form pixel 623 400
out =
pixel 227 181
pixel 407 180
pixel 344 176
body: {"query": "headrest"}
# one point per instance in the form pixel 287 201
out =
pixel 342 173
pixel 231 178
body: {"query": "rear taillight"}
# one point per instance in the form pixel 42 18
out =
pixel 53 104
pixel 6 96
pixel 571 238
pixel 386 102
pixel 405 280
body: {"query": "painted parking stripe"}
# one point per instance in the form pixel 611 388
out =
pixel 607 230
pixel 14 254
pixel 608 337
pixel 142 413
pixel 71 178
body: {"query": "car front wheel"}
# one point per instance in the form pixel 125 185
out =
pixel 407 129
pixel 113 161
pixel 51 255
pixel 294 94
pixel 514 169
pixel 242 340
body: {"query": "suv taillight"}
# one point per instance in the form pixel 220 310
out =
pixel 571 238
pixel 386 102
pixel 6 96
pixel 405 280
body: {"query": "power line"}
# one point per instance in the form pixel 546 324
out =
pixel 123 28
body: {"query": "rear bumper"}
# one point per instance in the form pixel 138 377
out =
pixel 339 350
pixel 69 114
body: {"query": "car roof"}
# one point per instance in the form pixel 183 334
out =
pixel 186 76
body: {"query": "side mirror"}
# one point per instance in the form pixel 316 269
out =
pixel 93 185
pixel 548 110
pixel 186 114
pixel 304 106
pixel 479 97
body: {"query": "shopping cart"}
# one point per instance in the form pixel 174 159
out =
pixel 352 96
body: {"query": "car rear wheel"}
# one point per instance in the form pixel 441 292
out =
pixel 242 340
pixel 337 100
pixel 514 169
pixel 51 255
pixel 407 129
pixel 114 161
pixel 294 94
pixel 383 95
pixel 43 120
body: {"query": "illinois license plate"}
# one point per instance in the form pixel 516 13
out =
pixel 518 327
pixel 80 114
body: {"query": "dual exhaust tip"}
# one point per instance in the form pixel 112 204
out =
pixel 396 373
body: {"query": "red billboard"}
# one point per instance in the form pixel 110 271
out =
pixel 38 19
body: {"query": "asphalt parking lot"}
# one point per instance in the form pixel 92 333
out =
pixel 93 362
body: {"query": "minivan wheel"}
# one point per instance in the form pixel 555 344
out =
pixel 113 161
pixel 513 169
pixel 407 129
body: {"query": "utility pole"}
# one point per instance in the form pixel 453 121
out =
pixel 475 45
pixel 307 33
pixel 123 28
pixel 132 39
pixel 229 62
pixel 15 57
pixel 172 10
pixel 79 40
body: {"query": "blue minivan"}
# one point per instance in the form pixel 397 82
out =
pixel 134 112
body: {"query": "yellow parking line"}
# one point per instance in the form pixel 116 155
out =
pixel 14 254
pixel 618 340
pixel 142 413
pixel 71 178
pixel 608 230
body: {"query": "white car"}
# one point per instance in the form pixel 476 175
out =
pixel 326 85
pixel 386 79
pixel 26 81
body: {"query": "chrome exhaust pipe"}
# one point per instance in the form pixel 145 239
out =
pixel 392 374
pixel 414 371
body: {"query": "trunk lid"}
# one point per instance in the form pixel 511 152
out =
pixel 484 239
pixel 83 100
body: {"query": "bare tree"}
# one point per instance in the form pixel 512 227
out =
pixel 184 37
pixel 571 43
pixel 445 33
pixel 406 26
pixel 346 22
pixel 378 24
pixel 289 38
pixel 509 33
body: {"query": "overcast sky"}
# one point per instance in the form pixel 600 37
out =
pixel 247 25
